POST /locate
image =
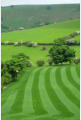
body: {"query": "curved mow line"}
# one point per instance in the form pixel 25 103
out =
pixel 11 89
pixel 68 84
pixel 27 102
pixel 18 102
pixel 8 105
pixel 43 94
pixel 36 100
pixel 63 98
pixel 74 75
pixel 78 71
pixel 11 104
pixel 70 78
pixel 65 89
pixel 53 96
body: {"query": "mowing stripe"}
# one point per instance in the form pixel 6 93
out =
pixel 63 98
pixel 12 88
pixel 53 96
pixel 9 102
pixel 44 96
pixel 27 102
pixel 36 100
pixel 65 89
pixel 18 103
pixel 74 75
pixel 70 78
pixel 78 71
pixel 68 84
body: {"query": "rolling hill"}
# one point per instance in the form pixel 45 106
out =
pixel 34 53
pixel 14 17
pixel 47 35
pixel 44 34
pixel 46 93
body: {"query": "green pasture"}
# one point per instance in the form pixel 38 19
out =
pixel 34 53
pixel 44 93
pixel 45 34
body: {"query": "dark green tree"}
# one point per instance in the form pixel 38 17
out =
pixel 60 54
pixel 16 65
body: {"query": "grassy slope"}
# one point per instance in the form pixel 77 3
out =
pixel 41 94
pixel 34 53
pixel 32 16
pixel 44 34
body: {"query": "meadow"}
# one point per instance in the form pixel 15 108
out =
pixel 45 34
pixel 34 53
pixel 44 93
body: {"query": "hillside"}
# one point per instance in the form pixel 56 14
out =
pixel 34 53
pixel 47 34
pixel 44 34
pixel 15 17
pixel 46 93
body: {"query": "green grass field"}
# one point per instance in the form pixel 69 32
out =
pixel 34 53
pixel 46 34
pixel 36 15
pixel 44 93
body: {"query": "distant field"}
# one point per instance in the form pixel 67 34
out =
pixel 46 93
pixel 34 53
pixel 46 34
pixel 37 15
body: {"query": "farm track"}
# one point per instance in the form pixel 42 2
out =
pixel 46 93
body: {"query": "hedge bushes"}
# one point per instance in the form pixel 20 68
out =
pixel 11 69
pixel 40 62
pixel 77 60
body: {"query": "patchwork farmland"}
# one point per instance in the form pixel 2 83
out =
pixel 46 93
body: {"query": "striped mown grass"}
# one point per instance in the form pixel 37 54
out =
pixel 44 93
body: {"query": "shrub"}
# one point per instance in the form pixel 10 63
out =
pixel 60 41
pixel 21 42
pixel 16 43
pixel 29 43
pixel 34 44
pixel 75 34
pixel 6 42
pixel 40 62
pixel 60 54
pixel 6 79
pixel 77 60
pixel 70 42
pixel 44 48
pixel 50 62
pixel 16 65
